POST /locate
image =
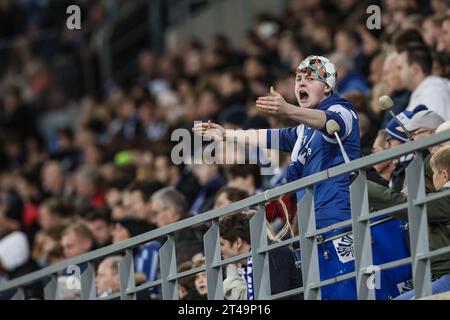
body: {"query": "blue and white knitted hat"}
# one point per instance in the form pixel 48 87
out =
pixel 404 117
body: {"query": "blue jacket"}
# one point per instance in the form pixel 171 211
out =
pixel 313 151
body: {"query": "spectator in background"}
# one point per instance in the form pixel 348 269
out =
pixel 53 180
pixel 15 262
pixel 235 240
pixel 384 169
pixel 54 212
pixel 395 139
pixel 444 39
pixel 87 186
pixel 107 280
pixel 430 30
pixel 396 90
pixel 211 180
pixel 170 206
pixel 99 223
pixel 76 240
pixel 65 152
pixel 153 128
pixel 348 44
pixel 423 124
pixel 201 288
pixel 14 251
pixel 349 79
pixel 44 243
pixel 437 214
pixel 227 195
pixel 146 256
pixel 139 202
pixel 246 177
pixel 177 176
pixel 186 285
pixel 414 62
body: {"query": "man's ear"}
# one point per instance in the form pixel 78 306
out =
pixel 416 68
pixel 446 174
pixel 328 90
pixel 238 243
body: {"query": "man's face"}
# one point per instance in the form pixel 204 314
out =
pixel 440 177
pixel 378 146
pixel 162 169
pixel 308 90
pixel 138 207
pixel 119 233
pixel 52 177
pixel 200 283
pixel 106 278
pixel 392 143
pixel 405 70
pixel 391 74
pixel 429 32
pixel 164 215
pixel 101 231
pixel 73 245
pixel 46 219
pixel 435 148
pixel 205 173
pixel 113 197
pixel 421 133
pixel 228 249
pixel 221 201
pixel 445 36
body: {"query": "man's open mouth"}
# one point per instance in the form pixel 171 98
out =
pixel 303 96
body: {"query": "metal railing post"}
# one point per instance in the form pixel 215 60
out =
pixel 20 294
pixel 211 241
pixel 418 227
pixel 51 288
pixel 260 261
pixel 126 272
pixel 362 239
pixel 88 288
pixel 168 265
pixel 308 245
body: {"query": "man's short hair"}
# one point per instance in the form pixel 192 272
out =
pixel 146 188
pixel 236 226
pixel 233 194
pixel 187 282
pixel 59 207
pixel 80 230
pixel 98 214
pixel 441 159
pixel 402 38
pixel 170 197
pixel 420 54
pixel 244 170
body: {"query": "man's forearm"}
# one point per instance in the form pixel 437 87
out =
pixel 251 137
pixel 312 118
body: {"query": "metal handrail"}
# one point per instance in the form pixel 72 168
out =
pixel 259 199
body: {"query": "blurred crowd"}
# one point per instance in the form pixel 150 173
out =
pixel 85 164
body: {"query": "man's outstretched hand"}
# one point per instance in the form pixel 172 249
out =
pixel 273 103
pixel 210 130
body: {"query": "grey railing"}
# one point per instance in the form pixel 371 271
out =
pixel 308 238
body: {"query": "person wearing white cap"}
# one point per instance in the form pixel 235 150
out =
pixel 423 124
